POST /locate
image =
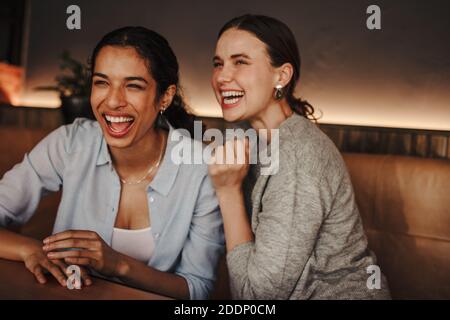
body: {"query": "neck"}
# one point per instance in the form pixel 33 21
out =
pixel 133 161
pixel 272 116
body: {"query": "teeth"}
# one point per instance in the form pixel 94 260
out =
pixel 118 119
pixel 230 101
pixel 232 93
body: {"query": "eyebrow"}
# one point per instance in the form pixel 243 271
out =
pixel 240 55
pixel 102 75
pixel 234 56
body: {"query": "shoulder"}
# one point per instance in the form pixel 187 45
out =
pixel 82 128
pixel 79 133
pixel 307 149
pixel 70 137
pixel 187 152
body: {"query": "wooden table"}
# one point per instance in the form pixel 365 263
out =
pixel 17 283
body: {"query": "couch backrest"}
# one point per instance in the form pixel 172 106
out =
pixel 405 206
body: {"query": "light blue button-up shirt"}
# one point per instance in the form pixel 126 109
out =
pixel 186 221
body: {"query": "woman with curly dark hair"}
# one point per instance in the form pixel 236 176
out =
pixel 128 211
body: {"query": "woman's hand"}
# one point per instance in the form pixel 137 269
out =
pixel 90 251
pixel 84 273
pixel 227 170
pixel 227 180
pixel 37 262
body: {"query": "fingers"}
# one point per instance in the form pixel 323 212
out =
pixel 78 261
pixel 235 151
pixel 63 266
pixel 38 274
pixel 87 281
pixel 86 277
pixel 55 271
pixel 218 155
pixel 72 254
pixel 229 151
pixel 241 150
pixel 247 147
pixel 60 264
pixel 80 234
pixel 71 243
pixel 58 269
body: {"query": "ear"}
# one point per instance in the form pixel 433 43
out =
pixel 284 74
pixel 167 97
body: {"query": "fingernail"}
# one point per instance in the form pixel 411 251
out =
pixel 46 240
pixel 45 247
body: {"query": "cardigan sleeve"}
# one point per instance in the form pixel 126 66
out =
pixel 294 204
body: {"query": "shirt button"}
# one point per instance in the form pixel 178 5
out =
pixel 156 235
pixel 152 199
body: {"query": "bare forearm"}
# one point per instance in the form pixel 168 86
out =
pixel 140 275
pixel 235 220
pixel 14 246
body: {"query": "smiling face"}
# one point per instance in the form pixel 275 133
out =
pixel 243 78
pixel 123 96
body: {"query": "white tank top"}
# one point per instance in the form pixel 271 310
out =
pixel 138 244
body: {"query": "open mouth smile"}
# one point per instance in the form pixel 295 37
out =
pixel 231 98
pixel 118 125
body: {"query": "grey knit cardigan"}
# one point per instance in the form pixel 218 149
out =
pixel 309 239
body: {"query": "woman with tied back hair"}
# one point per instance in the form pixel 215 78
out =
pixel 127 212
pixel 305 239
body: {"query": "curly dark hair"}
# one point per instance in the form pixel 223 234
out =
pixel 162 64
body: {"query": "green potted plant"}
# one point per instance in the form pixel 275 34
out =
pixel 73 85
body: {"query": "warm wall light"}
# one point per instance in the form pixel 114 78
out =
pixel 362 110
pixel 205 106
pixel 403 115
pixel 38 100
pixel 11 81
pixel 387 109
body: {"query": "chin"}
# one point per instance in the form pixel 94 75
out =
pixel 233 115
pixel 116 143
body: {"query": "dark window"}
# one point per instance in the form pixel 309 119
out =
pixel 12 18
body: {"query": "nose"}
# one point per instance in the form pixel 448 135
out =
pixel 224 74
pixel 116 98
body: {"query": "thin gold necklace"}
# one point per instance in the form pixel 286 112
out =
pixel 150 170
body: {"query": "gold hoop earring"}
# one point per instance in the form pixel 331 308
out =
pixel 278 92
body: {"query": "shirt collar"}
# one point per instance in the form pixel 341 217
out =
pixel 103 156
pixel 167 172
pixel 168 169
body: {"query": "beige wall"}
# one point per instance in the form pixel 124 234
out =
pixel 398 76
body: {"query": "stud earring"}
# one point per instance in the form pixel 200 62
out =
pixel 278 92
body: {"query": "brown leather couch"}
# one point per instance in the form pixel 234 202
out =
pixel 404 203
pixel 405 206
